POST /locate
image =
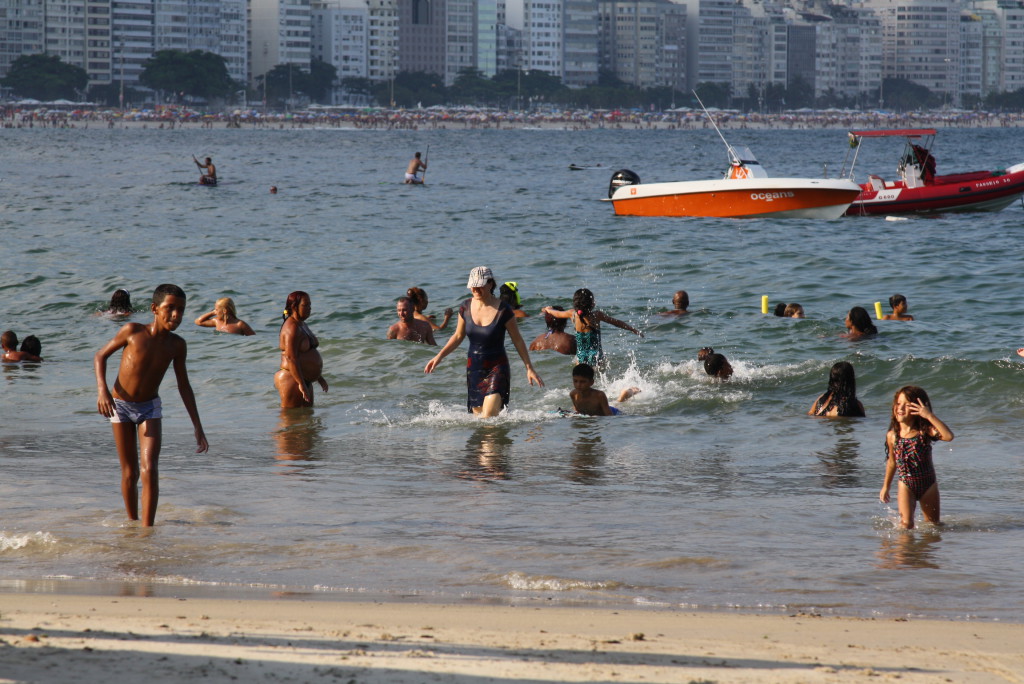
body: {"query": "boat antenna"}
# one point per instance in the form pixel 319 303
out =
pixel 732 154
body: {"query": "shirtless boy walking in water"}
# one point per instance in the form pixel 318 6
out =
pixel 134 407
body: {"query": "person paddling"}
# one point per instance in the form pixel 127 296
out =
pixel 416 164
pixel 208 171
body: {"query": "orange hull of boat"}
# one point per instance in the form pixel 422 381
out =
pixel 806 202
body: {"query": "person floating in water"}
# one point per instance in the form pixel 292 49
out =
pixel 9 342
pixel 120 303
pixel 858 324
pixel 408 326
pixel 717 366
pixel 224 318
pixel 208 172
pixel 899 309
pixel 412 171
pixel 840 398
pixel 555 338
pixel 588 401
pixel 680 304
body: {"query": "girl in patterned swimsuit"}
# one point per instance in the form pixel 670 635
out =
pixel 908 448
pixel 587 321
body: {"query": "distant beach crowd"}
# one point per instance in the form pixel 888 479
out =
pixel 14 116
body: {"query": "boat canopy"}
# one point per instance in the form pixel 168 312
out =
pixel 895 132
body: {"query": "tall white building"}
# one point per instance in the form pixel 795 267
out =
pixel 643 42
pixel 279 34
pixel 340 37
pixel 716 31
pixel 543 48
pixel 921 43
pixel 382 39
pixel 21 30
pixel 580 59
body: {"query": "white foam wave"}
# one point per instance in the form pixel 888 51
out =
pixel 521 581
pixel 14 542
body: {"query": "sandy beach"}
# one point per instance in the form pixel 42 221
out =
pixel 98 639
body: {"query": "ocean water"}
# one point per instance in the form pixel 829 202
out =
pixel 706 495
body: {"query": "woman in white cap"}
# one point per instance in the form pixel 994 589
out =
pixel 485 319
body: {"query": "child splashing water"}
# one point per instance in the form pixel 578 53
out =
pixel 908 448
pixel 587 321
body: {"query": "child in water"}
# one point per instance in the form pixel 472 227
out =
pixel 899 309
pixel 9 343
pixel 588 401
pixel 908 448
pixel 587 322
pixel 120 303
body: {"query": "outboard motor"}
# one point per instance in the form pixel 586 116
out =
pixel 620 178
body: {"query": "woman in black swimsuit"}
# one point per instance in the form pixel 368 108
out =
pixel 485 319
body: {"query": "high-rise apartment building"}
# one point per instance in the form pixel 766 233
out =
pixel 339 36
pixel 580 41
pixel 279 34
pixel 543 48
pixel 21 30
pixel 643 42
pixel 422 27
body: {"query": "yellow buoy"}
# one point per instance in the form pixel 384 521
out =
pixel 764 304
pixel 878 310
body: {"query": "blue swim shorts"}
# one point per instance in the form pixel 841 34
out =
pixel 136 411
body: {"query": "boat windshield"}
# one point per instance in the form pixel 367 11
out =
pixel 741 154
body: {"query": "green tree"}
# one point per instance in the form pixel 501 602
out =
pixel 284 82
pixel 320 80
pixel 472 87
pixel 799 94
pixel 904 95
pixel 196 73
pixel 714 94
pixel 45 77
pixel 110 94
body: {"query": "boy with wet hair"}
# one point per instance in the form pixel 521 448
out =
pixel 134 406
pixel 899 309
pixel 588 401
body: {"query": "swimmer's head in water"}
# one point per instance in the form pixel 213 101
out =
pixel 227 305
pixel 898 300
pixel 780 309
pixel 861 321
pixel 718 366
pixel 509 292
pixel 681 300
pixel 9 340
pixel 121 301
pixel 794 310
pixel 418 297
pixel 32 345
pixel 555 324
pixel 704 353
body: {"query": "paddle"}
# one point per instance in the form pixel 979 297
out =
pixel 426 160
